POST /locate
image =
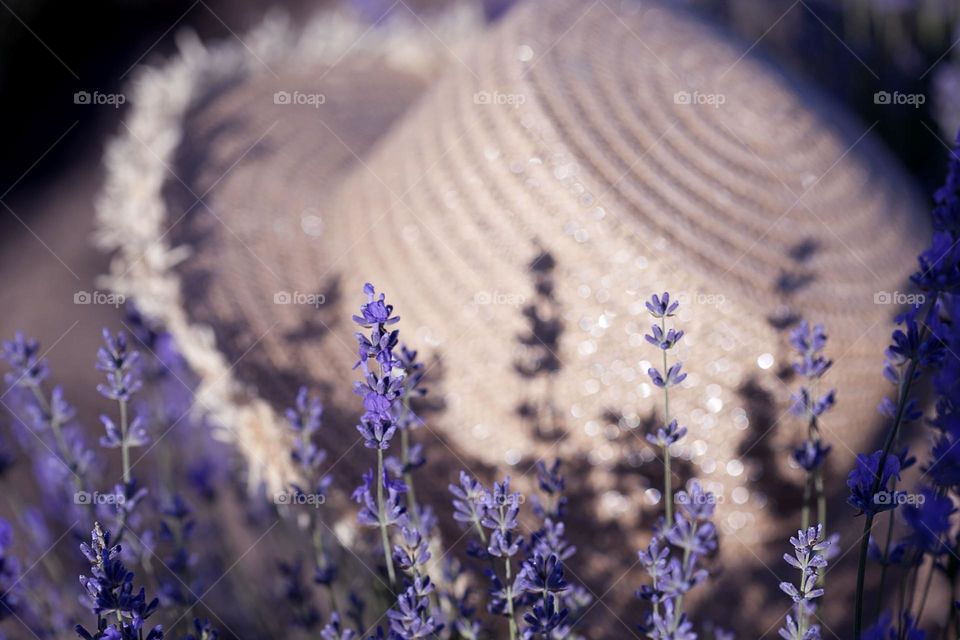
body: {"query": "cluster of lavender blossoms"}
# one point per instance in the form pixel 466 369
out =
pixel 382 386
pixel 808 559
pixel 516 580
pixel 662 308
pixel 923 348
pixel 70 477
pixel 682 540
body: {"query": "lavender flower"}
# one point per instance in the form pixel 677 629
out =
pixel 541 574
pixel 334 630
pixel 304 418
pixel 662 307
pixel 544 619
pixel 298 596
pixel 503 506
pixel 119 363
pixel 469 503
pixel 666 436
pixel 23 355
pixel 411 454
pixel 811 455
pixel 807 557
pixel 121 613
pixel 10 594
pixel 885 630
pixel 47 415
pixel 673 562
pixel 370 514
pixel 410 619
pixel 665 339
pixel 380 392
pixel 929 522
pixel 917 348
pixel 202 630
pixel 865 477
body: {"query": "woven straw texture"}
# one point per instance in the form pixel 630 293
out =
pixel 518 204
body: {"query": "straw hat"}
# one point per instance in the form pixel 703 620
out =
pixel 518 194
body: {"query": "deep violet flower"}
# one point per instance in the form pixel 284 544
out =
pixel 541 574
pixel 929 522
pixel 886 630
pixel 121 612
pixel 811 455
pixel 864 477
pixel 334 630
pixel 202 630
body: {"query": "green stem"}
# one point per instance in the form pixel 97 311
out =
pixel 55 426
pixel 508 583
pixel 679 609
pixel 667 474
pixel 667 486
pixel 821 499
pixel 124 446
pixel 951 617
pixel 886 559
pixel 861 570
pixel 320 557
pixel 926 590
pixel 384 536
pixel 805 510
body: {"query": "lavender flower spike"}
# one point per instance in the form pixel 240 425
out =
pixel 381 391
pixel 665 339
pixel 119 364
pixel 807 557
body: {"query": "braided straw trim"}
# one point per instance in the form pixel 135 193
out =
pixel 132 216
